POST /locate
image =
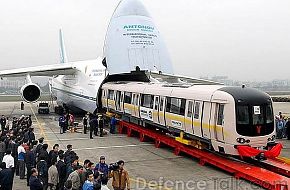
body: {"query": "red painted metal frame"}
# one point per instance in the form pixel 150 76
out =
pixel 262 177
pixel 277 166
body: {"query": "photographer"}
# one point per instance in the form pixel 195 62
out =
pixel 120 177
pixel 103 170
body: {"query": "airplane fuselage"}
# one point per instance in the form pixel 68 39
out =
pixel 80 90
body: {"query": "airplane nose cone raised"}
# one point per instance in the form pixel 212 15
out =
pixel 130 7
pixel 133 41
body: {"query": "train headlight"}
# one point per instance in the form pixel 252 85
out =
pixel 273 137
pixel 241 140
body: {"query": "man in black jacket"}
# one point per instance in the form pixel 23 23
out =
pixel 6 177
pixel 93 126
pixel 34 181
pixel 43 153
pixel 3 122
pixel 61 168
pixel 43 171
pixel 30 162
pixel 31 135
pixel 52 155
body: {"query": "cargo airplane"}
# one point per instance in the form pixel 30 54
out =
pixel 132 43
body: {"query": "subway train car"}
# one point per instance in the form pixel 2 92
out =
pixel 221 117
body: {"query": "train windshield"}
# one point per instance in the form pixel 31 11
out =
pixel 255 120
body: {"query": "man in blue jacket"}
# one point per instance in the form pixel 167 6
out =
pixel 89 185
pixel 103 170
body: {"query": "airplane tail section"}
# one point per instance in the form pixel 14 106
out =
pixel 63 57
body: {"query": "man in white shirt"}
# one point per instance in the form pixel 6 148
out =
pixel 21 157
pixel 8 159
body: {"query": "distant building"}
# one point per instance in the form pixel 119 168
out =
pixel 12 84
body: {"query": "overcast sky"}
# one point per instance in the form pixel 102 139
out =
pixel 244 39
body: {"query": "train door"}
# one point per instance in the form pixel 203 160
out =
pixel 156 109
pixel 219 122
pixel 188 121
pixel 205 119
pixel 161 111
pixel 128 107
pixel 197 118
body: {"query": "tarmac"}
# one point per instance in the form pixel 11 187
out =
pixel 148 167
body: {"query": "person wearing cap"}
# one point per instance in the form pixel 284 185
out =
pixel 103 170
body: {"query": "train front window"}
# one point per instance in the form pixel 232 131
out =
pixel 258 115
pixel 243 115
pixel 254 120
pixel 269 114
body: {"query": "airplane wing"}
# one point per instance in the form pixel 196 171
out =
pixel 177 79
pixel 44 70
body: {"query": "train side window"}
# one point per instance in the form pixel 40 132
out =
pixel 175 105
pixel 156 103
pixel 111 95
pixel 220 116
pixel 117 99
pixel 196 110
pixel 161 103
pixel 189 111
pixel 122 98
pixel 104 93
pixel 128 97
pixel 136 99
pixel 147 101
pixel 133 99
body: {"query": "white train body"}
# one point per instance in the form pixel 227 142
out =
pixel 221 116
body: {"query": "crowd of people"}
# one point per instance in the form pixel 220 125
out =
pixel 282 126
pixel 24 156
pixel 96 124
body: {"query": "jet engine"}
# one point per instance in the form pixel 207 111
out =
pixel 30 92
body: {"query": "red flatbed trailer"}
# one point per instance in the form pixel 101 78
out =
pixel 258 175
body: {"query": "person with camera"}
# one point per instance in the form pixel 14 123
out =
pixel 103 170
pixel 120 177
